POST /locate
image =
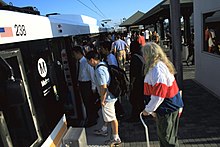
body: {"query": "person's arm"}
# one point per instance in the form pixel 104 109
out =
pixel 92 75
pixel 157 91
pixel 126 45
pixel 153 104
pixel 134 65
pixel 157 38
pixel 103 94
pixel 102 83
pixel 114 48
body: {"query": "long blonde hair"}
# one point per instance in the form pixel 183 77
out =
pixel 153 53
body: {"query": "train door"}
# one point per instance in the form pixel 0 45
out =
pixel 18 117
pixel 61 51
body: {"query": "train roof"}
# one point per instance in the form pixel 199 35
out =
pixel 70 24
pixel 17 26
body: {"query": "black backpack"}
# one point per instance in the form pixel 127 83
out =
pixel 119 84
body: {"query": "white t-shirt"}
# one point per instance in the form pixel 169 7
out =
pixel 147 34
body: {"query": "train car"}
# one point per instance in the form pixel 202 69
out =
pixel 38 95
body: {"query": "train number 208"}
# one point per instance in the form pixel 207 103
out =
pixel 20 30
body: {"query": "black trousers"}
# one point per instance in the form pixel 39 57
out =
pixel 88 100
pixel 137 101
pixel 119 109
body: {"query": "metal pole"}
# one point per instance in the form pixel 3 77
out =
pixel 146 130
pixel 176 39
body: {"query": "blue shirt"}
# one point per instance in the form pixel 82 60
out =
pixel 112 60
pixel 102 77
pixel 120 45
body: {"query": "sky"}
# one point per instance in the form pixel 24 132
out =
pixel 115 10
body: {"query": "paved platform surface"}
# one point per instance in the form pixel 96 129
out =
pixel 199 124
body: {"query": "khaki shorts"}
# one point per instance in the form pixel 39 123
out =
pixel 121 55
pixel 108 111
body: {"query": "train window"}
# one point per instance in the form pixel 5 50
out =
pixel 211 32
pixel 18 116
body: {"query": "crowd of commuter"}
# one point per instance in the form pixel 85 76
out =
pixel 118 50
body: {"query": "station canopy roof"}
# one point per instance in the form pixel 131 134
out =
pixel 131 20
pixel 2 3
pixel 162 11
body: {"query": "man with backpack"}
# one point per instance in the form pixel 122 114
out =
pixel 110 59
pixel 102 79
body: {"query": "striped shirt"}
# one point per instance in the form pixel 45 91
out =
pixel 163 90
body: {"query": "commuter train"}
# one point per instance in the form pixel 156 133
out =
pixel 38 94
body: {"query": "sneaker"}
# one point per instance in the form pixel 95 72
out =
pixel 113 142
pixel 101 132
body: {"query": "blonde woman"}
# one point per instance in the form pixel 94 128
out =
pixel 165 100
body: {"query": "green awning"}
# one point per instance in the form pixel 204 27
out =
pixel 131 20
pixel 162 11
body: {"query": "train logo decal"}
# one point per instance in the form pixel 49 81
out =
pixel 42 67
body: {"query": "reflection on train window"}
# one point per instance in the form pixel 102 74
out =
pixel 212 32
